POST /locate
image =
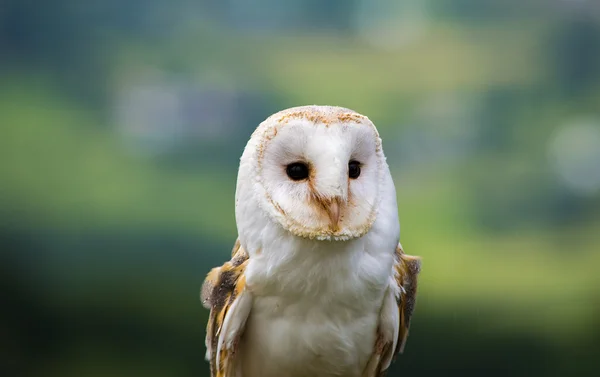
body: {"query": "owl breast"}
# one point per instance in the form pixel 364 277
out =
pixel 315 312
pixel 313 346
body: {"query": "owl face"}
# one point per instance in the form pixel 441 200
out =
pixel 317 171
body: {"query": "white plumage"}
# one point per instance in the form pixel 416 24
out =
pixel 319 278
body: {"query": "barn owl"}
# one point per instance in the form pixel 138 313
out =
pixel 318 284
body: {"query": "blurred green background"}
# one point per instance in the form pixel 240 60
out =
pixel 122 124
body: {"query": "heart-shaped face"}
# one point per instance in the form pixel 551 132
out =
pixel 317 171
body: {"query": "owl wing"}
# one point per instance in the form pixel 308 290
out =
pixel 396 312
pixel 224 293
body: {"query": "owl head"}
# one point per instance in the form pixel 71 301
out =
pixel 316 171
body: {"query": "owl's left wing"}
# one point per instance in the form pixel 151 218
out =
pixel 224 293
pixel 395 315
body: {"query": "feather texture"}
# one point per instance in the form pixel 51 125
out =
pixel 396 312
pixel 224 293
pixel 407 270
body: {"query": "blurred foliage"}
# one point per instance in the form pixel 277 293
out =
pixel 122 126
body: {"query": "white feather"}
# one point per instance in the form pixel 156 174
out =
pixel 390 323
pixel 234 322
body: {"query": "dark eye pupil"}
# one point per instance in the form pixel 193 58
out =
pixel 297 171
pixel 353 169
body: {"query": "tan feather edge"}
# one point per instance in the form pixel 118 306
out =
pixel 407 269
pixel 219 290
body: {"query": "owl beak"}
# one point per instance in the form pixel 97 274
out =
pixel 334 213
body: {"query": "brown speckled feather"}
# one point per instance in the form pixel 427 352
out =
pixel 220 290
pixel 407 268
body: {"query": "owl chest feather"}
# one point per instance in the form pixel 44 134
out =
pixel 315 312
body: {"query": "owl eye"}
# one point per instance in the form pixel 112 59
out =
pixel 354 169
pixel 297 171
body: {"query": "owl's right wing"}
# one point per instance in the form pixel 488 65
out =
pixel 224 293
